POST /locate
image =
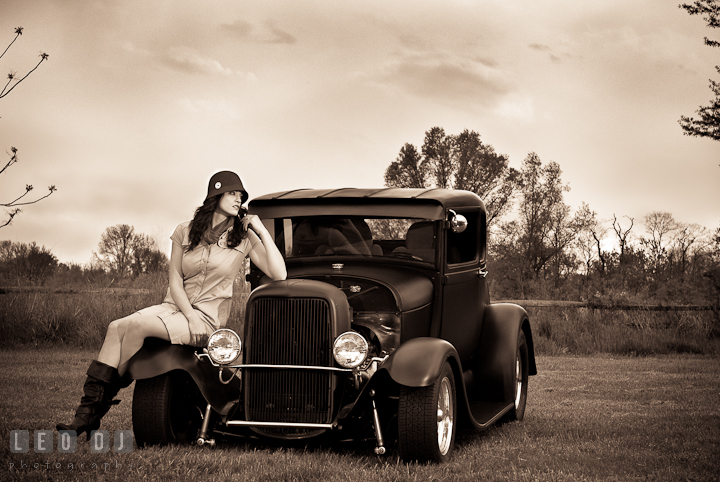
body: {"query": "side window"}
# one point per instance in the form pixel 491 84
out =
pixel 465 247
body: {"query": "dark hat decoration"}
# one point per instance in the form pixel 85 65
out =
pixel 225 181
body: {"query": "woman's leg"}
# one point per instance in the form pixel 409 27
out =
pixel 126 336
pixel 123 339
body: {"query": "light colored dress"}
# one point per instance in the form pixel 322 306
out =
pixel 208 273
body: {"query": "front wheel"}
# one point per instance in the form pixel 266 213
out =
pixel 426 419
pixel 167 409
pixel 521 380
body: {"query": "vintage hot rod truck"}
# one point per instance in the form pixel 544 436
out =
pixel 383 330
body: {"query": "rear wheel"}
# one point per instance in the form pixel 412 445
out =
pixel 167 409
pixel 521 380
pixel 426 419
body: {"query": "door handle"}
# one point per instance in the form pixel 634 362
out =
pixel 483 273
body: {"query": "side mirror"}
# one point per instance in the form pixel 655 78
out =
pixel 458 222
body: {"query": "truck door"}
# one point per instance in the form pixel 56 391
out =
pixel 465 292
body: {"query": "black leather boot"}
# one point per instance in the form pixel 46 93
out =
pixel 101 386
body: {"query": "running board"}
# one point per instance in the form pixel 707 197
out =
pixel 487 413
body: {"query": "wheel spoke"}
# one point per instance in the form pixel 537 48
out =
pixel 444 416
pixel 518 381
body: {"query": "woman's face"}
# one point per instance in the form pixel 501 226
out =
pixel 229 204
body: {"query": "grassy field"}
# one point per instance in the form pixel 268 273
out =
pixel 596 418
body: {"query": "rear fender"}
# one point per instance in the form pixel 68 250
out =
pixel 419 361
pixel 157 357
pixel 493 364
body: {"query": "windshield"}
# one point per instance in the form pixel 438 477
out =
pixel 401 238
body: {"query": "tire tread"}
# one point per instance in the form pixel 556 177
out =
pixel 417 422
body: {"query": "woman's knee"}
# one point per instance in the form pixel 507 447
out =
pixel 145 327
pixel 116 329
pixel 120 326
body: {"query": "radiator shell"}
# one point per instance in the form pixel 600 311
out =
pixel 292 323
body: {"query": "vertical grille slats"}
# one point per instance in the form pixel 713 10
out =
pixel 292 331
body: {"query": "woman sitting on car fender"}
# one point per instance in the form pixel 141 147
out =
pixel 207 254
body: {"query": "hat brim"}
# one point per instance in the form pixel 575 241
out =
pixel 223 190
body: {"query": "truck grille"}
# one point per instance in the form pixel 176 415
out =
pixel 289 331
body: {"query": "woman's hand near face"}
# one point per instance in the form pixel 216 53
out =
pixel 265 256
pixel 253 221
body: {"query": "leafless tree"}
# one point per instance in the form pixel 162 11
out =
pixel 588 237
pixel 543 215
pixel 688 239
pixel 659 225
pixel 115 250
pixel 13 205
pixel 623 236
pixel 124 252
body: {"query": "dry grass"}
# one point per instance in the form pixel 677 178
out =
pixel 573 331
pixel 596 418
pixel 79 318
pixel 36 318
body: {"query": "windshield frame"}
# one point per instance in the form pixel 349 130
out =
pixel 338 238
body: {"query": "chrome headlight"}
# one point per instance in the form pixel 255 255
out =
pixel 224 346
pixel 350 349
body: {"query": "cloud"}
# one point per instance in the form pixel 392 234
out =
pixel 541 47
pixel 487 62
pixel 465 81
pixel 268 33
pixel 188 60
pixel 516 108
pixel 278 36
pixel 545 48
pixel 130 47
pixel 239 28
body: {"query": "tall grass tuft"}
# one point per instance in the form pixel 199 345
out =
pixel 79 316
pixel 582 331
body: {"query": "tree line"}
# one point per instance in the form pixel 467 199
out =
pixel 121 253
pixel 540 249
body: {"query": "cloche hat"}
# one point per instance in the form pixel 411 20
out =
pixel 225 181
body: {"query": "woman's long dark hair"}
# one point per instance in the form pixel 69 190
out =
pixel 203 219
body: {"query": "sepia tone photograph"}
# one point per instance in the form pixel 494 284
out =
pixel 409 240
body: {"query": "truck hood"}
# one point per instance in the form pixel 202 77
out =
pixel 410 288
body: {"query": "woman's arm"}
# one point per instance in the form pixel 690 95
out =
pixel 177 291
pixel 265 255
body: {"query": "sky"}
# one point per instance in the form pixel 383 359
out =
pixel 139 103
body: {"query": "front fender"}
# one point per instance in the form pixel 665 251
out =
pixel 159 356
pixel 419 361
pixel 493 364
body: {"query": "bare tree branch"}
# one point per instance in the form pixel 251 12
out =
pixel 13 159
pixel 12 214
pixel 43 57
pixel 18 32
pixel 28 188
pixel 7 88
